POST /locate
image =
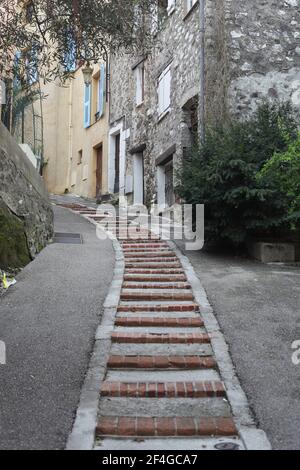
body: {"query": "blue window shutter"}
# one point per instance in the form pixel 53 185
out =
pixel 87 105
pixel 102 84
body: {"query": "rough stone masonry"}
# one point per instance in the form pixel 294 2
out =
pixel 252 52
pixel 26 216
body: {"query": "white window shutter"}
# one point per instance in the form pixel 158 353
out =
pixel 87 105
pixel 160 96
pixel 164 91
pixel 167 90
pixel 101 90
pixel 171 6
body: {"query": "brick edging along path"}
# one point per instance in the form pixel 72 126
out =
pixel 162 379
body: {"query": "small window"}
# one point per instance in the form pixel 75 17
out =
pixel 164 91
pixel 139 73
pixel 87 105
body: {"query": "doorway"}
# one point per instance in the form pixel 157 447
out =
pixel 138 178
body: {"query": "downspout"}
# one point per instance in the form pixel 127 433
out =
pixel 202 24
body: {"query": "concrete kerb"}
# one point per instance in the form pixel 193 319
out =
pixel 253 438
pixel 82 436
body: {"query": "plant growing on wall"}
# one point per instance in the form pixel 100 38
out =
pixel 222 174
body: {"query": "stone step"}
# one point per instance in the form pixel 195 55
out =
pixel 154 338
pixel 162 375
pixel 165 426
pixel 159 321
pixel 163 444
pixel 150 315
pixel 161 349
pixel 167 407
pixel 155 296
pixel 164 389
pixel 161 362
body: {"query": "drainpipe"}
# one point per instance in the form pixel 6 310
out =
pixel 202 24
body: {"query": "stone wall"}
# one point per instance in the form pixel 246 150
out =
pixel 26 217
pixel 252 52
pixel 263 42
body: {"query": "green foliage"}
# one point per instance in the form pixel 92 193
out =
pixel 282 172
pixel 222 174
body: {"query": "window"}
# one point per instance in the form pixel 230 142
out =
pixel 31 65
pixel 87 105
pixel 190 4
pixel 139 73
pixel 164 91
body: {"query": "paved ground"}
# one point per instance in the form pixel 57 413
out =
pixel 48 321
pixel 258 308
pixel 162 386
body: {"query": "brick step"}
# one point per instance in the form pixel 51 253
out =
pixel 150 254
pixel 158 278
pixel 143 285
pixel 142 243
pixel 144 296
pixel 156 321
pixel 157 267
pixel 145 246
pixel 158 308
pixel 162 426
pixel 155 338
pixel 161 362
pixel 159 259
pixel 164 389
pixel 155 272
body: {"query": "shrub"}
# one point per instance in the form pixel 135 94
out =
pixel 222 174
pixel 282 172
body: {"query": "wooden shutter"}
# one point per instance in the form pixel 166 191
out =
pixel 102 90
pixel 87 105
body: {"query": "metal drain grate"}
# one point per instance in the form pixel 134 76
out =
pixel 68 238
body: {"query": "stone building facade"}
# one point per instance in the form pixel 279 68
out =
pixel 252 51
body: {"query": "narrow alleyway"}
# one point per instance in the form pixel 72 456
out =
pixel 162 386
pixel 48 321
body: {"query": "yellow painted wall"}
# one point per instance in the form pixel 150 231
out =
pixel 65 136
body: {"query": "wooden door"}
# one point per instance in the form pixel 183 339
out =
pixel 99 171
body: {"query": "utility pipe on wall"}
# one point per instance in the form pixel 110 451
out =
pixel 202 24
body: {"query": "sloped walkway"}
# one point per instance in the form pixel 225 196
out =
pixel 162 386
pixel 48 321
